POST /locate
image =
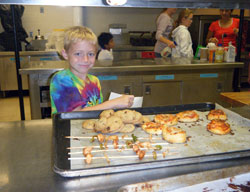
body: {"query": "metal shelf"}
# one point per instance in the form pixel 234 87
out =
pixel 230 4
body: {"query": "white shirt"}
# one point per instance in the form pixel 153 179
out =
pixel 105 55
pixel 183 39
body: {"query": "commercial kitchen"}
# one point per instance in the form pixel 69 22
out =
pixel 34 153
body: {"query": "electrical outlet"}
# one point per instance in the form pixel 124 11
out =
pixel 41 9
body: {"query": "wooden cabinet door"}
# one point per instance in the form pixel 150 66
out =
pixel 202 90
pixel 162 93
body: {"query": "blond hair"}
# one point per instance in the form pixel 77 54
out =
pixel 78 33
pixel 183 14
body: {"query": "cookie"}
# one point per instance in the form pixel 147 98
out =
pixel 107 113
pixel 101 124
pixel 129 116
pixel 89 124
pixel 145 119
pixel 114 123
pixel 137 117
pixel 126 115
pixel 127 128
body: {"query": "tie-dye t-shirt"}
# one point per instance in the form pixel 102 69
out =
pixel 67 91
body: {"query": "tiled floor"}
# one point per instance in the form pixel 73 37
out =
pixel 10 111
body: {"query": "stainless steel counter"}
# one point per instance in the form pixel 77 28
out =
pixel 8 77
pixel 131 65
pixel 26 163
pixel 28 53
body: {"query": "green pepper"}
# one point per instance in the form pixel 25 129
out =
pixel 93 138
pixel 134 138
pixel 154 155
pixel 101 146
pixel 158 147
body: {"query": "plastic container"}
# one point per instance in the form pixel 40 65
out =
pixel 219 54
pixel 231 53
pixel 211 52
pixel 203 53
pixel 211 55
pixel 166 52
pixel 55 40
pixel 198 52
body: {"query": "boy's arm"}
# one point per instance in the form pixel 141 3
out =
pixel 124 101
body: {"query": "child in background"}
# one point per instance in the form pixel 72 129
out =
pixel 74 89
pixel 182 36
pixel 106 43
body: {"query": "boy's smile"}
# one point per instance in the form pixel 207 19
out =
pixel 81 57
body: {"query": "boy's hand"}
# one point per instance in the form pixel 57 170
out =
pixel 125 101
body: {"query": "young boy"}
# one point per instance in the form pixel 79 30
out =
pixel 74 89
pixel 106 42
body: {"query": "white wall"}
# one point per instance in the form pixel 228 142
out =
pixel 137 19
pixel 97 18
pixel 54 17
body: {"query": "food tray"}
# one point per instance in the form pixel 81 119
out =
pixel 201 146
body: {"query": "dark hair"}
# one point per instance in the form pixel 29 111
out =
pixel 227 9
pixel 104 38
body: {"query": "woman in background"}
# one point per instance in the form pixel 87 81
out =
pixel 164 24
pixel 182 36
pixel 224 30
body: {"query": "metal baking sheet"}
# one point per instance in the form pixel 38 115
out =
pixel 201 146
pixel 238 183
pixel 201 181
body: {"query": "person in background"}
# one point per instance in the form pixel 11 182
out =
pixel 106 42
pixel 249 70
pixel 7 37
pixel 164 23
pixel 224 30
pixel 74 89
pixel 182 36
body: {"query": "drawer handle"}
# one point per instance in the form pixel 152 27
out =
pixel 148 90
pixel 127 90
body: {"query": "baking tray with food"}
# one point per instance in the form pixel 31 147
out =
pixel 101 142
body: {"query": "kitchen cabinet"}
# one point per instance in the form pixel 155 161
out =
pixel 8 77
pixel 120 84
pixel 160 83
pixel 160 92
pixel 205 86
